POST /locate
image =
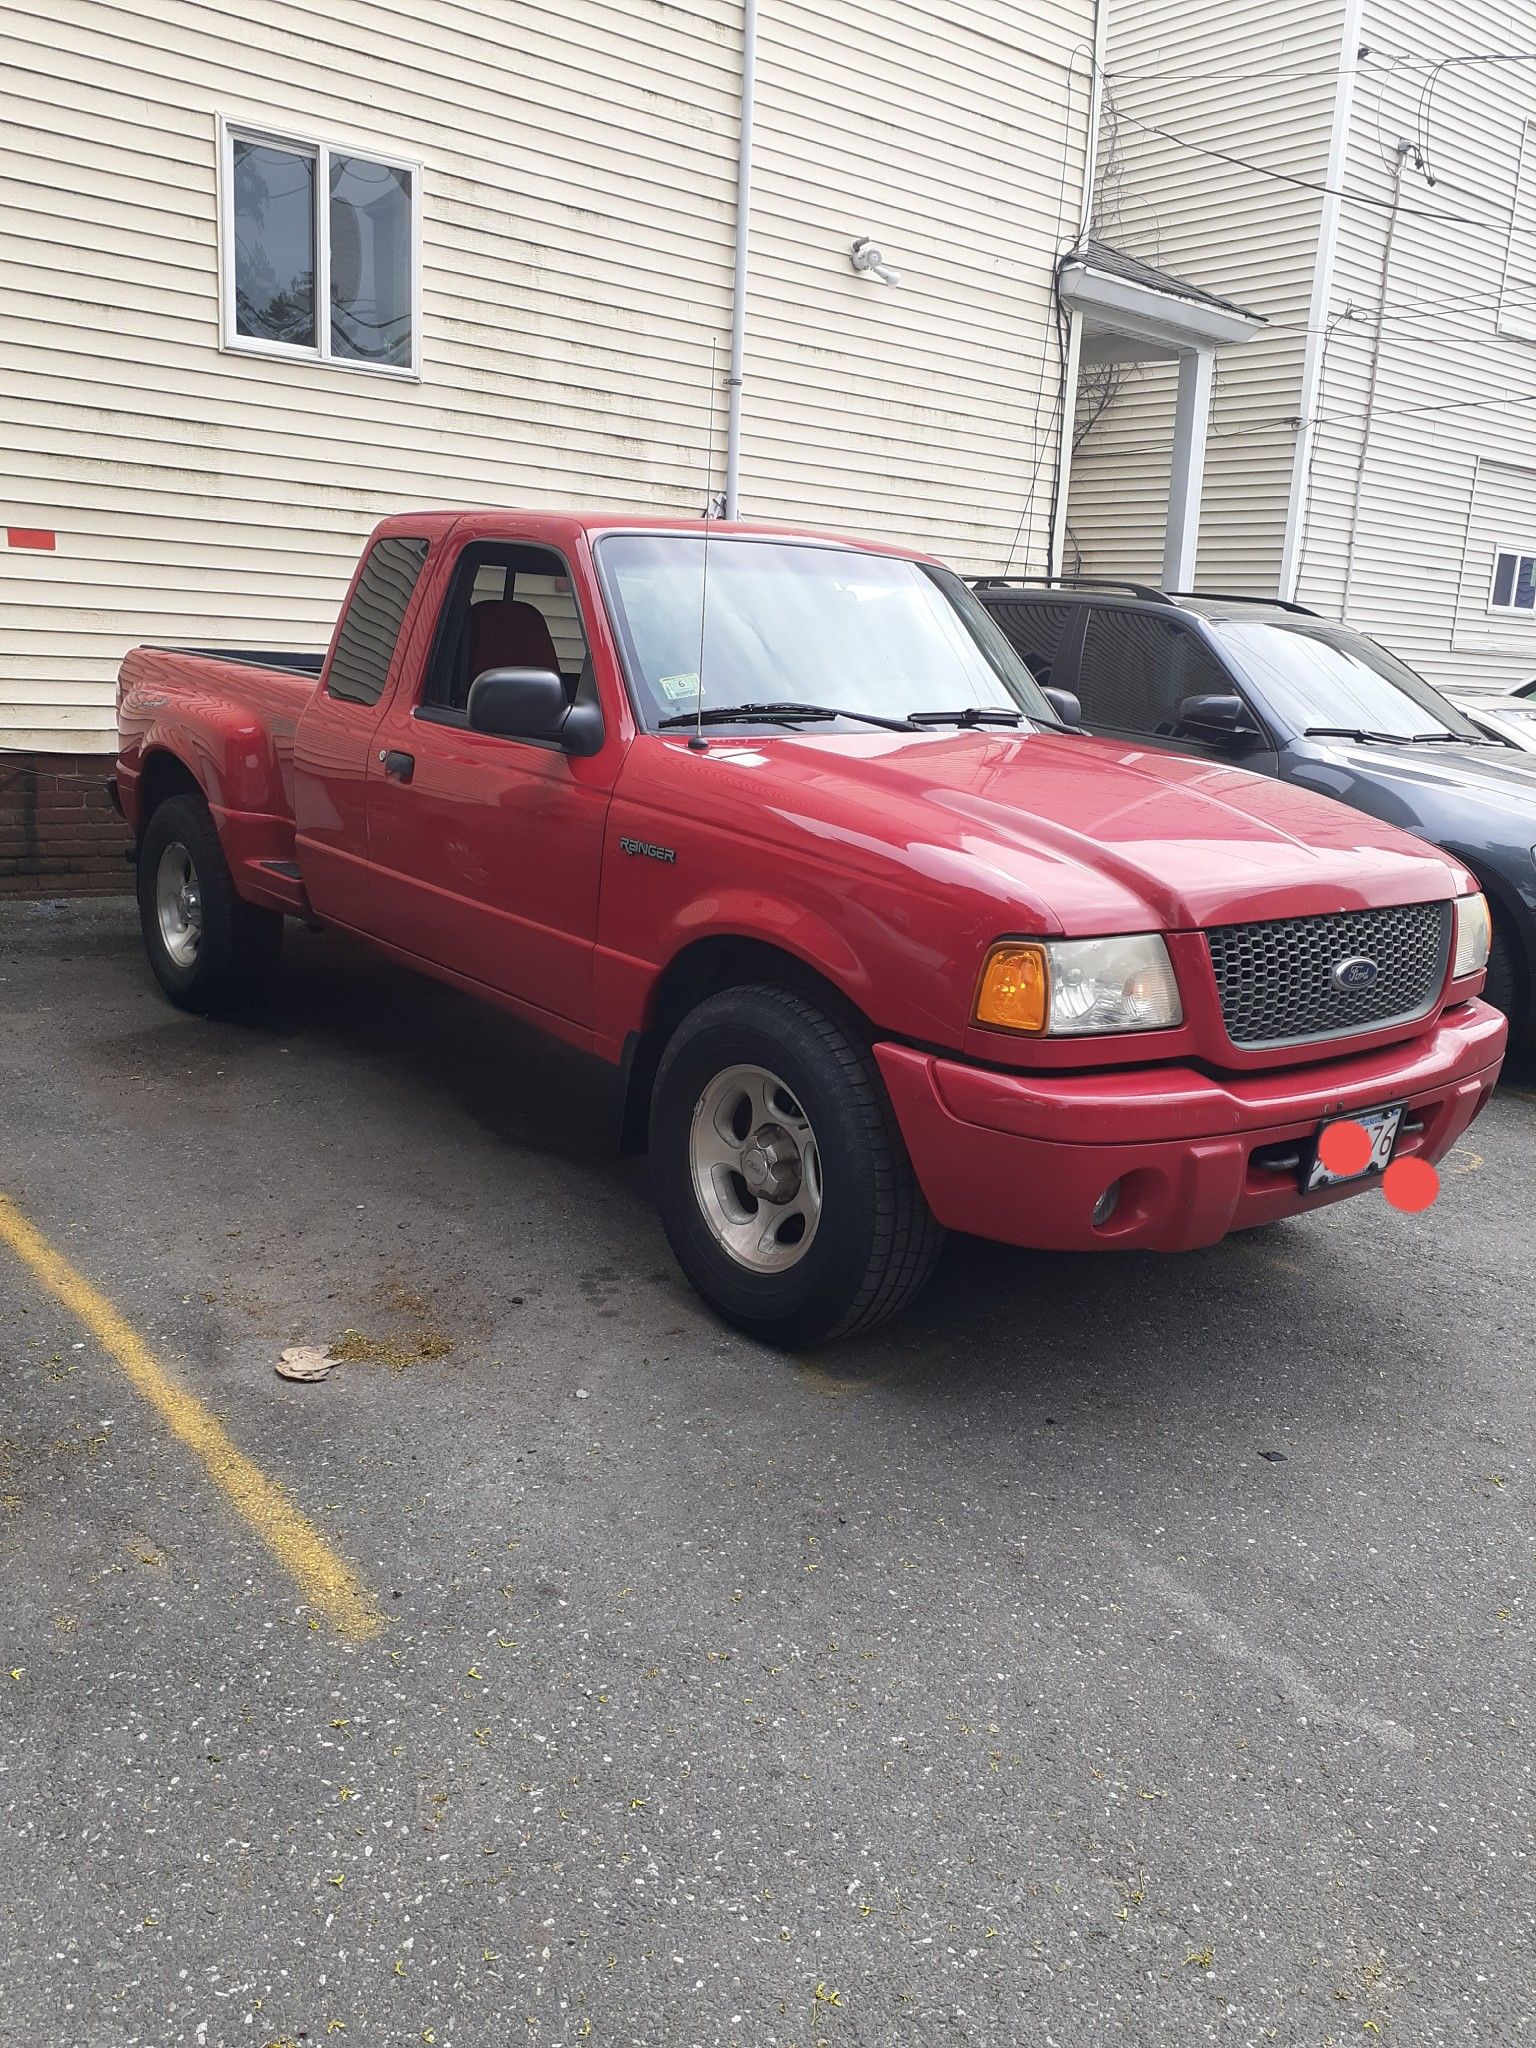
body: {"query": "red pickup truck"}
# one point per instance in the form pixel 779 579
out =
pixel 782 827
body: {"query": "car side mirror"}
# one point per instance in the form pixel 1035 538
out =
pixel 518 703
pixel 1065 703
pixel 1216 718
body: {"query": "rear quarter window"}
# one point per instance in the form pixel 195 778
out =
pixel 365 645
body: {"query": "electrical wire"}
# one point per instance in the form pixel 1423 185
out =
pixel 1447 405
pixel 1308 184
pixel 1367 60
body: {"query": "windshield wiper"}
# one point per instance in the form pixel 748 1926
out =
pixel 972 714
pixel 778 714
pixel 1393 739
pixel 1356 732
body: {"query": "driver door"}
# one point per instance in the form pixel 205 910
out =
pixel 485 851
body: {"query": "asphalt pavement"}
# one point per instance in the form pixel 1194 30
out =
pixel 1120 1650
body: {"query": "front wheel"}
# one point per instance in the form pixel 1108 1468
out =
pixel 783 1184
pixel 210 950
pixel 1505 983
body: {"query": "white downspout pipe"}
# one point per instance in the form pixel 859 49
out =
pixel 1056 539
pixel 739 279
pixel 1095 103
pixel 1404 151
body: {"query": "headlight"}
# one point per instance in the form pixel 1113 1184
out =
pixel 1474 935
pixel 1062 988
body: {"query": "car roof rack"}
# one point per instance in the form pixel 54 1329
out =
pixel 1144 591
pixel 1147 593
pixel 1284 604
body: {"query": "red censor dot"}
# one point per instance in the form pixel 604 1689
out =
pixel 1345 1148
pixel 1410 1184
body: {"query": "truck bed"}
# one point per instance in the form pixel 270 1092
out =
pixel 224 720
pixel 251 657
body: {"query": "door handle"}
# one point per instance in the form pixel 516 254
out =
pixel 401 766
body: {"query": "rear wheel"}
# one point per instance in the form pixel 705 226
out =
pixel 210 950
pixel 781 1177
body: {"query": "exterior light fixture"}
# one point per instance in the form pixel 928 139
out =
pixel 869 260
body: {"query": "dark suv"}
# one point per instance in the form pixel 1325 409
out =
pixel 1275 688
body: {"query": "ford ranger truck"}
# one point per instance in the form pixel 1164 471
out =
pixel 781 827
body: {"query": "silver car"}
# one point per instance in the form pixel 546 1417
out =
pixel 1508 715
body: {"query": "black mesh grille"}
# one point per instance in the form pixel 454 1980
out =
pixel 1277 983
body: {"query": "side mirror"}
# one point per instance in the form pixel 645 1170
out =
pixel 1066 705
pixel 1216 718
pixel 518 703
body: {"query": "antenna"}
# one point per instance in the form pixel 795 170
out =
pixel 698 742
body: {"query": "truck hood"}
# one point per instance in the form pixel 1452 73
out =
pixel 1081 835
pixel 1444 781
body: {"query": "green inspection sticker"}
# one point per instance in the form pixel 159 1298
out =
pixel 677 689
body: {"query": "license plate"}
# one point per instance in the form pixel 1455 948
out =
pixel 1382 1126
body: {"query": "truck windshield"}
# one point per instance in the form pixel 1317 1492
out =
pixel 1313 673
pixel 789 623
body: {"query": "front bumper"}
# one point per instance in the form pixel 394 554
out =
pixel 1024 1158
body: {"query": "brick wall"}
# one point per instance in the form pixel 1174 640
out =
pixel 59 835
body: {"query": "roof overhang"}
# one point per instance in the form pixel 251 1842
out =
pixel 1128 322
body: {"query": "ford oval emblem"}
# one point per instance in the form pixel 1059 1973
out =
pixel 1356 972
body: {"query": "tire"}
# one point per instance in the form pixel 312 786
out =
pixel 1505 983
pixel 865 1242
pixel 209 949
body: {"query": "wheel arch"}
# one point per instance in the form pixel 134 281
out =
pixel 702 968
pixel 163 774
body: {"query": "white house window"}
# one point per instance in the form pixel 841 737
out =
pixel 319 251
pixel 1514 582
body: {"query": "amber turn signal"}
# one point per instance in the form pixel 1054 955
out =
pixel 1015 989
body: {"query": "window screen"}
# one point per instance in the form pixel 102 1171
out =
pixel 1136 670
pixel 1035 631
pixel 370 223
pixel 365 646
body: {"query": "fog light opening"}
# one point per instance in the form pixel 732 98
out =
pixel 1106 1205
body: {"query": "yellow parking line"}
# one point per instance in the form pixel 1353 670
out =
pixel 325 1579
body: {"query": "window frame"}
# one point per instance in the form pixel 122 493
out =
pixel 1518 554
pixel 432 713
pixel 231 342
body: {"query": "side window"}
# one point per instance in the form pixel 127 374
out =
pixel 1035 632
pixel 1136 670
pixel 508 607
pixel 365 646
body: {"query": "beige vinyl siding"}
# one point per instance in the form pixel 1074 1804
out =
pixel 1117 501
pixel 567 304
pixel 954 136
pixel 1451 448
pixel 578 174
pixel 1250 79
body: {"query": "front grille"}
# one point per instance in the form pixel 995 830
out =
pixel 1277 984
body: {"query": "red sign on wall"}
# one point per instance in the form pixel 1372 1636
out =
pixel 30 537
